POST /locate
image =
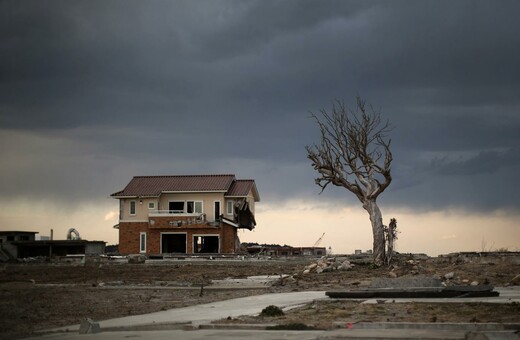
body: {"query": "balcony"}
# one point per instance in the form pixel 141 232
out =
pixel 168 218
pixel 169 213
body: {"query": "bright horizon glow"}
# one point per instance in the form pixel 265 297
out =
pixel 298 223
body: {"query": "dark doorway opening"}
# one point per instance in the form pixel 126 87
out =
pixel 173 243
pixel 217 211
pixel 205 244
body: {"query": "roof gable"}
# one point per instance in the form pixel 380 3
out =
pixel 242 188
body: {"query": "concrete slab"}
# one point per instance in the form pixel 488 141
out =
pixel 199 314
pixel 171 320
pixel 507 295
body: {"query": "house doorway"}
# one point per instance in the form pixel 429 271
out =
pixel 173 243
pixel 205 244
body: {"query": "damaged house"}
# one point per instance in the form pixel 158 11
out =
pixel 197 214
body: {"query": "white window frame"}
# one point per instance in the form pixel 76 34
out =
pixel 142 245
pixel 201 207
pixel 121 209
pixel 135 208
pixel 151 205
pixel 195 207
pixel 229 207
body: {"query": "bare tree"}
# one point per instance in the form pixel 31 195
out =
pixel 390 237
pixel 354 153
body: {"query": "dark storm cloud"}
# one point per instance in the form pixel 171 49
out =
pixel 108 90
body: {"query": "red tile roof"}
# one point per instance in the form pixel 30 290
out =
pixel 153 186
pixel 242 187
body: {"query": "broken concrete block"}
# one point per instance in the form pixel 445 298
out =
pixel 405 282
pixel 88 326
pixel 136 258
pixel 312 266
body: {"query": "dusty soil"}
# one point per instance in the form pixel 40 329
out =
pixel 37 296
pixel 334 314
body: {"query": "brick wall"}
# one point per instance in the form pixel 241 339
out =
pixel 129 236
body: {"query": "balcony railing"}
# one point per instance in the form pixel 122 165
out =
pixel 200 218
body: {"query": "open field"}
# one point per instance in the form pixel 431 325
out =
pixel 36 296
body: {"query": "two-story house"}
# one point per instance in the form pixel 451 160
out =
pixel 184 214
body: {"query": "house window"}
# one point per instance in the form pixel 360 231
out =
pixel 229 207
pixel 205 244
pixel 151 205
pixel 194 207
pixel 176 207
pixel 142 242
pixel 132 207
pixel 217 210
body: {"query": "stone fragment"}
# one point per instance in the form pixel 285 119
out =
pixel 449 276
pixel 306 271
pixel 474 283
pixel 319 270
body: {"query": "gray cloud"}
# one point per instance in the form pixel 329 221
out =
pixel 92 93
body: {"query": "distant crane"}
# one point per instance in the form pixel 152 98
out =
pixel 319 241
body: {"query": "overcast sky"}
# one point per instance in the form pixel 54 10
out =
pixel 95 92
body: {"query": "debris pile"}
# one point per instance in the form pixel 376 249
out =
pixel 328 264
pixel 410 267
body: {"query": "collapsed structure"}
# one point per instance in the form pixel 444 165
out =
pixel 185 214
pixel 23 244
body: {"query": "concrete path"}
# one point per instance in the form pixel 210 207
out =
pixel 205 313
pixel 121 328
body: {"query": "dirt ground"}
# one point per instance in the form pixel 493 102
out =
pixel 42 295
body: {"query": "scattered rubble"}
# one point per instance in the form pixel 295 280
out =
pixel 328 264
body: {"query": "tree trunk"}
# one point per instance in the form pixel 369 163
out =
pixel 376 219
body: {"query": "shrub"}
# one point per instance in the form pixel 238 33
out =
pixel 272 311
